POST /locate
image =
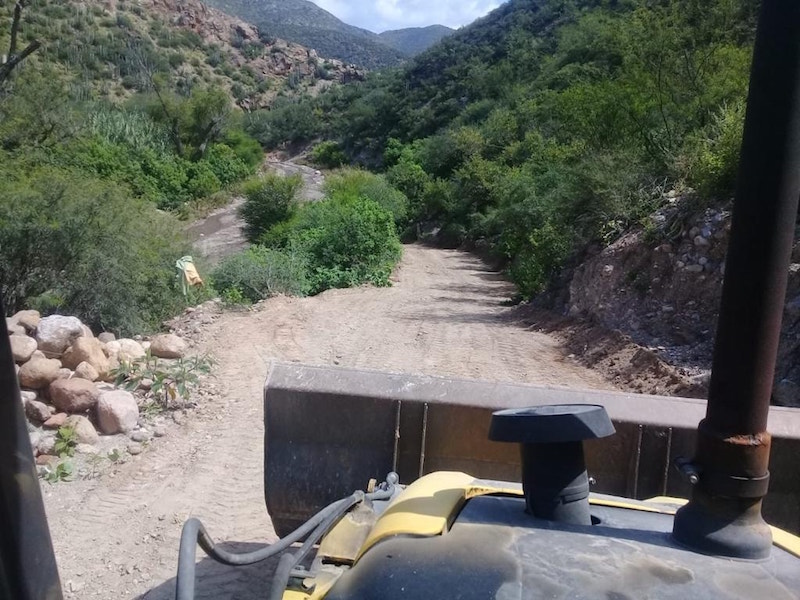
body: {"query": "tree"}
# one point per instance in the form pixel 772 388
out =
pixel 13 58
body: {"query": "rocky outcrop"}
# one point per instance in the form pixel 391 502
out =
pixel 665 295
pixel 275 61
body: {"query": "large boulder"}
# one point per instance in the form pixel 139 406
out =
pixel 129 350
pixel 29 319
pixel 167 345
pixel 89 350
pixel 117 412
pixel 22 347
pixel 56 333
pixel 85 433
pixel 38 373
pixel 106 337
pixel 73 395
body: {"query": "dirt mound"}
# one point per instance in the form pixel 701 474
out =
pixel 615 355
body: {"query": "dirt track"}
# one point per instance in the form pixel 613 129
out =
pixel 220 233
pixel 117 537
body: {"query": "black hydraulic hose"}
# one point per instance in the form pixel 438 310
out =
pixel 194 533
pixel 289 561
pixel 312 531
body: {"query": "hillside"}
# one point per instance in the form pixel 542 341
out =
pixel 115 49
pixel 414 40
pixel 306 23
pixel 126 118
pixel 548 126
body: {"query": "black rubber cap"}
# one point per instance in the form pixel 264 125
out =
pixel 551 424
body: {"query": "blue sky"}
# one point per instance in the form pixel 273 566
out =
pixel 380 15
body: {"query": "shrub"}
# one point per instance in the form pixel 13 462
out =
pixel 202 180
pixel 85 247
pixel 352 182
pixel 226 165
pixel 713 153
pixel 328 155
pixel 169 379
pixel 259 273
pixel 246 148
pixel 269 200
pixel 539 259
pixel 347 240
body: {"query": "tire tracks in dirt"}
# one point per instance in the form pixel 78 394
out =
pixel 117 537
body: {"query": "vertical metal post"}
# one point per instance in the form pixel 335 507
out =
pixel 27 565
pixel 732 455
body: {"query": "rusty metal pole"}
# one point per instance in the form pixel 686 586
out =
pixel 732 454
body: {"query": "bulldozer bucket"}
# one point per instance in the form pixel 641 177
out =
pixel 328 431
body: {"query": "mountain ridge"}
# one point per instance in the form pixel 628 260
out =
pixel 303 22
pixel 415 40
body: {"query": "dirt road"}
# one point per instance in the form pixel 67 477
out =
pixel 117 537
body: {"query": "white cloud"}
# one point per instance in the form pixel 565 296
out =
pixel 380 15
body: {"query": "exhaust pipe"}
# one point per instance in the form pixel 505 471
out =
pixel 731 459
pixel 554 478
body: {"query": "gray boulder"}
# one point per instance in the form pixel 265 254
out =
pixel 36 411
pixel 168 345
pixel 117 412
pixel 56 332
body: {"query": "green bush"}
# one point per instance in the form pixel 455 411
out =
pixel 202 180
pixel 259 273
pixel 328 155
pixel 712 157
pixel 246 148
pixel 536 261
pixel 85 247
pixel 353 182
pixel 268 201
pixel 346 240
pixel 226 165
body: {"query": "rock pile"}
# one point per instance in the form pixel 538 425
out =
pixel 66 378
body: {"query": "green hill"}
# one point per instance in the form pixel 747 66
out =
pixel 123 119
pixel 414 40
pixel 306 23
pixel 552 124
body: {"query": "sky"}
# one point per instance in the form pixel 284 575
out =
pixel 380 15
